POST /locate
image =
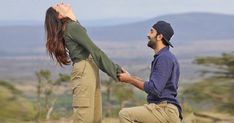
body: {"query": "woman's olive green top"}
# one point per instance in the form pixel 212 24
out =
pixel 80 47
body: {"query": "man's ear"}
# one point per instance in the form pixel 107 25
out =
pixel 159 37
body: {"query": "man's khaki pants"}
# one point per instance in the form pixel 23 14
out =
pixel 150 113
pixel 87 105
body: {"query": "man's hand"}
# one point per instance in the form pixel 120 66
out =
pixel 125 76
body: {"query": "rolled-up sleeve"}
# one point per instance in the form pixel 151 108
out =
pixel 159 76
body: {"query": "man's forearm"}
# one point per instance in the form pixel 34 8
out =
pixel 137 82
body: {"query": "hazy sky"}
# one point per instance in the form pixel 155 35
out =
pixel 34 10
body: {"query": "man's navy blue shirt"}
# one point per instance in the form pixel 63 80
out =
pixel 164 77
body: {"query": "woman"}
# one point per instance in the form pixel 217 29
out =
pixel 68 40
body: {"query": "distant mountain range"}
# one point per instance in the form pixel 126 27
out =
pixel 188 27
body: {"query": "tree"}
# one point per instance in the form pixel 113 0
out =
pixel 123 92
pixel 45 89
pixel 116 92
pixel 108 84
pixel 216 91
pixel 224 64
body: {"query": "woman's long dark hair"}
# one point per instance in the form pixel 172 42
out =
pixel 55 45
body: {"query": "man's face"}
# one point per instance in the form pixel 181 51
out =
pixel 152 36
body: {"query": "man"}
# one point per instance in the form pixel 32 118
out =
pixel 163 105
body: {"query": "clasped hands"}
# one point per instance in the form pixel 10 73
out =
pixel 125 76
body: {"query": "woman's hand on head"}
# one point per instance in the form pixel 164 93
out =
pixel 64 10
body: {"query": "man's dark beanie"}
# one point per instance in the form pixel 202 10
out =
pixel 165 29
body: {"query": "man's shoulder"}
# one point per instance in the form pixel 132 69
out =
pixel 167 56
